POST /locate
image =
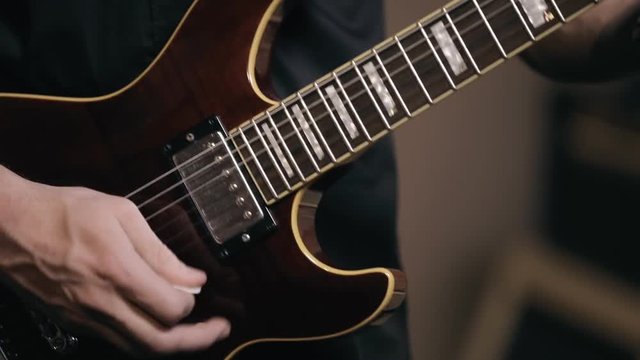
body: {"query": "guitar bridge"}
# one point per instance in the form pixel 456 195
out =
pixel 218 186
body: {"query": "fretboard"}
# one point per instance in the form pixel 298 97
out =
pixel 344 112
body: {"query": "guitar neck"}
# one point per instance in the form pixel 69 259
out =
pixel 344 112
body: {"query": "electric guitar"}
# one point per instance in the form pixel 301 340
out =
pixel 220 170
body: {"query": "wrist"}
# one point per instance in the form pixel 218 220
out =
pixel 11 186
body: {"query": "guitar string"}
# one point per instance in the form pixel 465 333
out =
pixel 245 162
pixel 314 119
pixel 318 118
pixel 254 139
pixel 312 106
pixel 195 190
pixel 200 222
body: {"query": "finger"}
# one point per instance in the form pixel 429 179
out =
pixel 159 257
pixel 136 281
pixel 180 338
pixel 194 337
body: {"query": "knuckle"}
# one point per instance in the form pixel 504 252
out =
pixel 109 267
pixel 126 206
pixel 86 297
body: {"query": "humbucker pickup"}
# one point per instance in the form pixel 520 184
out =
pixel 219 188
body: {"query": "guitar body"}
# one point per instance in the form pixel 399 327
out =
pixel 280 288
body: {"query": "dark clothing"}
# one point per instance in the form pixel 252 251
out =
pixel 90 47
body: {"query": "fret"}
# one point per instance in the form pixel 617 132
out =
pixel 256 163
pixel 413 70
pixel 353 109
pixel 536 11
pixel 477 39
pixel 493 34
pixel 392 83
pixel 302 158
pixel 555 6
pixel 314 123
pixel 507 23
pixel 448 47
pixel 334 117
pixel 524 22
pixel 362 103
pixel 295 129
pixel 461 40
pixel 323 121
pixel 308 134
pixel 400 74
pixel 378 84
pixel 373 99
pixel 269 152
pixel 286 148
pixel 265 159
pixel 249 164
pixel 436 56
pixel 443 45
pixel 538 15
pixel 343 113
pixel 347 144
pixel 380 87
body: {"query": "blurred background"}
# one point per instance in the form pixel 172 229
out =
pixel 519 213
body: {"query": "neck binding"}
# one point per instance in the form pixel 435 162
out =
pixel 344 112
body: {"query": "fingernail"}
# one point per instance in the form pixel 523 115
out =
pixel 225 332
pixel 191 290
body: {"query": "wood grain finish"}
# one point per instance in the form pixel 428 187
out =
pixel 277 289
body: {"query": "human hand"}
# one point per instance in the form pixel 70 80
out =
pixel 602 44
pixel 96 263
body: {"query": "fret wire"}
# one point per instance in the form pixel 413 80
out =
pixel 270 154
pixel 524 22
pixel 346 96
pixel 493 34
pixel 246 141
pixel 335 121
pixel 286 147
pixel 255 159
pixel 304 145
pixel 464 46
pixel 393 85
pixel 553 2
pixel 413 70
pixel 366 88
pixel 435 53
pixel 315 126
pixel 438 59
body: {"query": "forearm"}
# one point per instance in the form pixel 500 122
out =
pixel 598 45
